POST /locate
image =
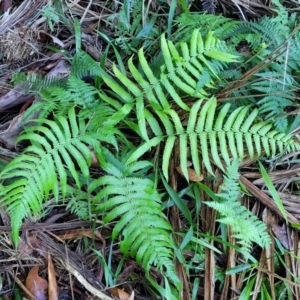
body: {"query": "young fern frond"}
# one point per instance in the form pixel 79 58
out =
pixel 84 65
pixel 55 144
pixel 124 195
pixel 246 227
pixel 59 100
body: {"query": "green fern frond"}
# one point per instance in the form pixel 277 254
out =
pixel 82 94
pixel 280 90
pixel 55 144
pixel 127 197
pixel 84 65
pixel 217 136
pixel 246 227
pixel 274 106
pixel 187 22
pixel 265 30
pixel 59 100
pixel 181 71
pixel 35 83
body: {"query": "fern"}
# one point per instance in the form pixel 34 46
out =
pixel 129 198
pixel 280 91
pixel 34 82
pixel 246 227
pixel 41 166
pixel 278 81
pixel 187 22
pixel 59 100
pixel 255 32
pixel 173 105
pixel 218 139
pixel 83 65
pixel 205 127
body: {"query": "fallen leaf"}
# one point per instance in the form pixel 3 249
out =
pixel 281 234
pixel 73 234
pixel 121 294
pixel 54 38
pixel 36 284
pixel 131 296
pixel 32 243
pixel 191 174
pixel 52 288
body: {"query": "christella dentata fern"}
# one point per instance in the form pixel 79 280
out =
pixel 206 127
pixel 175 107
pixel 128 197
pixel 45 166
pixel 246 227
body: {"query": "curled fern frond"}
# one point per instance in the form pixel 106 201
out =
pixel 124 195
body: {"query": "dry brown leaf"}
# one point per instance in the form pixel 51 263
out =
pixel 281 234
pixel 192 174
pixel 73 234
pixel 52 288
pixel 121 294
pixel 55 39
pixel 36 284
pixel 32 243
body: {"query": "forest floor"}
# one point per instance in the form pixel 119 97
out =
pixel 62 257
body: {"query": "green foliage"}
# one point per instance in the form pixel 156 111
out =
pixel 35 82
pixel 188 22
pixel 171 105
pixel 126 196
pixel 275 86
pixel 246 227
pixel 55 147
pixel 52 18
pixel 135 27
pixel 204 127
